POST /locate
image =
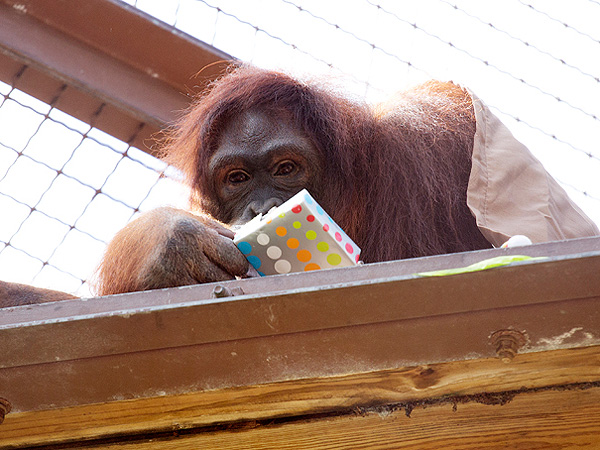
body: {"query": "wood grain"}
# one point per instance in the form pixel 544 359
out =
pixel 544 420
pixel 328 397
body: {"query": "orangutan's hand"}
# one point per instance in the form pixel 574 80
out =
pixel 169 247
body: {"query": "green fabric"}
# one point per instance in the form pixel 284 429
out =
pixel 499 261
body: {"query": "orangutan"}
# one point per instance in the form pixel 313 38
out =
pixel 394 177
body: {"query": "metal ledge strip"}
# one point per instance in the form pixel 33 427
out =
pixel 84 328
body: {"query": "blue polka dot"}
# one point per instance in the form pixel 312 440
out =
pixel 244 247
pixel 308 200
pixel 320 210
pixel 255 261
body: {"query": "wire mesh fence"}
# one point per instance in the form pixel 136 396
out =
pixel 533 62
pixel 66 187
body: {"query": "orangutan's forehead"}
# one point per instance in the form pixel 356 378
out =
pixel 256 125
pixel 258 138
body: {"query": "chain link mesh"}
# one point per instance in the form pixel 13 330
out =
pixel 65 189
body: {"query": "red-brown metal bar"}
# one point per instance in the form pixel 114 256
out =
pixel 121 70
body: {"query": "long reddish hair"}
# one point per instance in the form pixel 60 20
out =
pixel 395 174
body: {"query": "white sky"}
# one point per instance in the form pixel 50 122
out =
pixel 536 63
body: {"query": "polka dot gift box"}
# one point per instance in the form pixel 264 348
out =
pixel 295 237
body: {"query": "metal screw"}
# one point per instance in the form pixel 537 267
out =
pixel 507 343
pixel 5 408
pixel 221 291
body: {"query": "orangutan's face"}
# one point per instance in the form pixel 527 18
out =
pixel 261 161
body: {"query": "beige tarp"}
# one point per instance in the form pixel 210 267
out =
pixel 511 193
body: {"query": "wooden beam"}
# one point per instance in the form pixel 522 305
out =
pixel 572 421
pixel 540 397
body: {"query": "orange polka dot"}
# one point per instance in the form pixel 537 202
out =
pixel 281 231
pixel 312 266
pixel 293 243
pixel 303 255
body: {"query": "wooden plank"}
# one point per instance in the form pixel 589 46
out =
pixel 284 355
pixel 543 420
pixel 554 373
pixel 74 62
pixel 322 353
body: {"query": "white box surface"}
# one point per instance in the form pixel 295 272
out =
pixel 294 237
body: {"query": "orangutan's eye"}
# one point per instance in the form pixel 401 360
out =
pixel 285 168
pixel 237 177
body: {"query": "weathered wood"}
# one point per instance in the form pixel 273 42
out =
pixel 545 420
pixel 545 386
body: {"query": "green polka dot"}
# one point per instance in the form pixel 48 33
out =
pixel 311 235
pixel 334 259
pixel 282 215
pixel 322 246
pixel 296 224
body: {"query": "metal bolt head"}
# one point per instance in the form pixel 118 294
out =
pixel 221 291
pixel 5 408
pixel 507 343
